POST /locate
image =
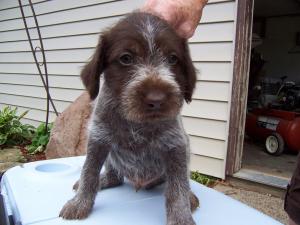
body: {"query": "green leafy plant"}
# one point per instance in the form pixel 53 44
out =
pixel 12 131
pixel 203 179
pixel 40 139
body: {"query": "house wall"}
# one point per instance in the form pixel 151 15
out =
pixel 70 30
pixel 279 48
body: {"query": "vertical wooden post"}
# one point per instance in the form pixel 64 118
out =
pixel 242 54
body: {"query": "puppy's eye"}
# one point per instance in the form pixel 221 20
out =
pixel 126 59
pixel 172 59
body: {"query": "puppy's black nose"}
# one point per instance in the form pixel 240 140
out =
pixel 154 100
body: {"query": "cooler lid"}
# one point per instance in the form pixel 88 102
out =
pixel 37 191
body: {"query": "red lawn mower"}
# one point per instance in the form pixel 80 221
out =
pixel 278 128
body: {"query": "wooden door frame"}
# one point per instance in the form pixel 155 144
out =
pixel 242 54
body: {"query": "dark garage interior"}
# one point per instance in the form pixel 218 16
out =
pixel 273 108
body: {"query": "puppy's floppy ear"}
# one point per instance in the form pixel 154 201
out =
pixel 90 75
pixel 189 73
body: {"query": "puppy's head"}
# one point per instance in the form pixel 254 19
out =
pixel 146 66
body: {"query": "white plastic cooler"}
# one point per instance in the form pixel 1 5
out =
pixel 35 192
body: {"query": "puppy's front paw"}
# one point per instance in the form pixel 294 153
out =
pixel 76 209
pixel 181 221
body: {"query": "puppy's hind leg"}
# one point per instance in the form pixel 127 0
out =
pixel 110 178
pixel 194 201
pixel 155 183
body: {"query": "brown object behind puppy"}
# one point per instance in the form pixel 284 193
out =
pixel 69 133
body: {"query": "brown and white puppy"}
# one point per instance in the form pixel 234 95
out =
pixel 136 129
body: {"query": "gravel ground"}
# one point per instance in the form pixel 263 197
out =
pixel 266 203
pixel 10 157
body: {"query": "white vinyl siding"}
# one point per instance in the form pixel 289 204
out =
pixel 70 30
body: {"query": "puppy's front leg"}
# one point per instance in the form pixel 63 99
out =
pixel 177 189
pixel 81 204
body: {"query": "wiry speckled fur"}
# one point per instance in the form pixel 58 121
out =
pixel 146 150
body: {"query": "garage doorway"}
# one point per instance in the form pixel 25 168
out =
pixel 269 155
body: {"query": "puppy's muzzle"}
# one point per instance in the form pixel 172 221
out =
pixel 151 97
pixel 154 100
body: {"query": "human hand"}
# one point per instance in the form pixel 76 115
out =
pixel 182 15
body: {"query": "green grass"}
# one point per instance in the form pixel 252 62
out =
pixel 203 179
